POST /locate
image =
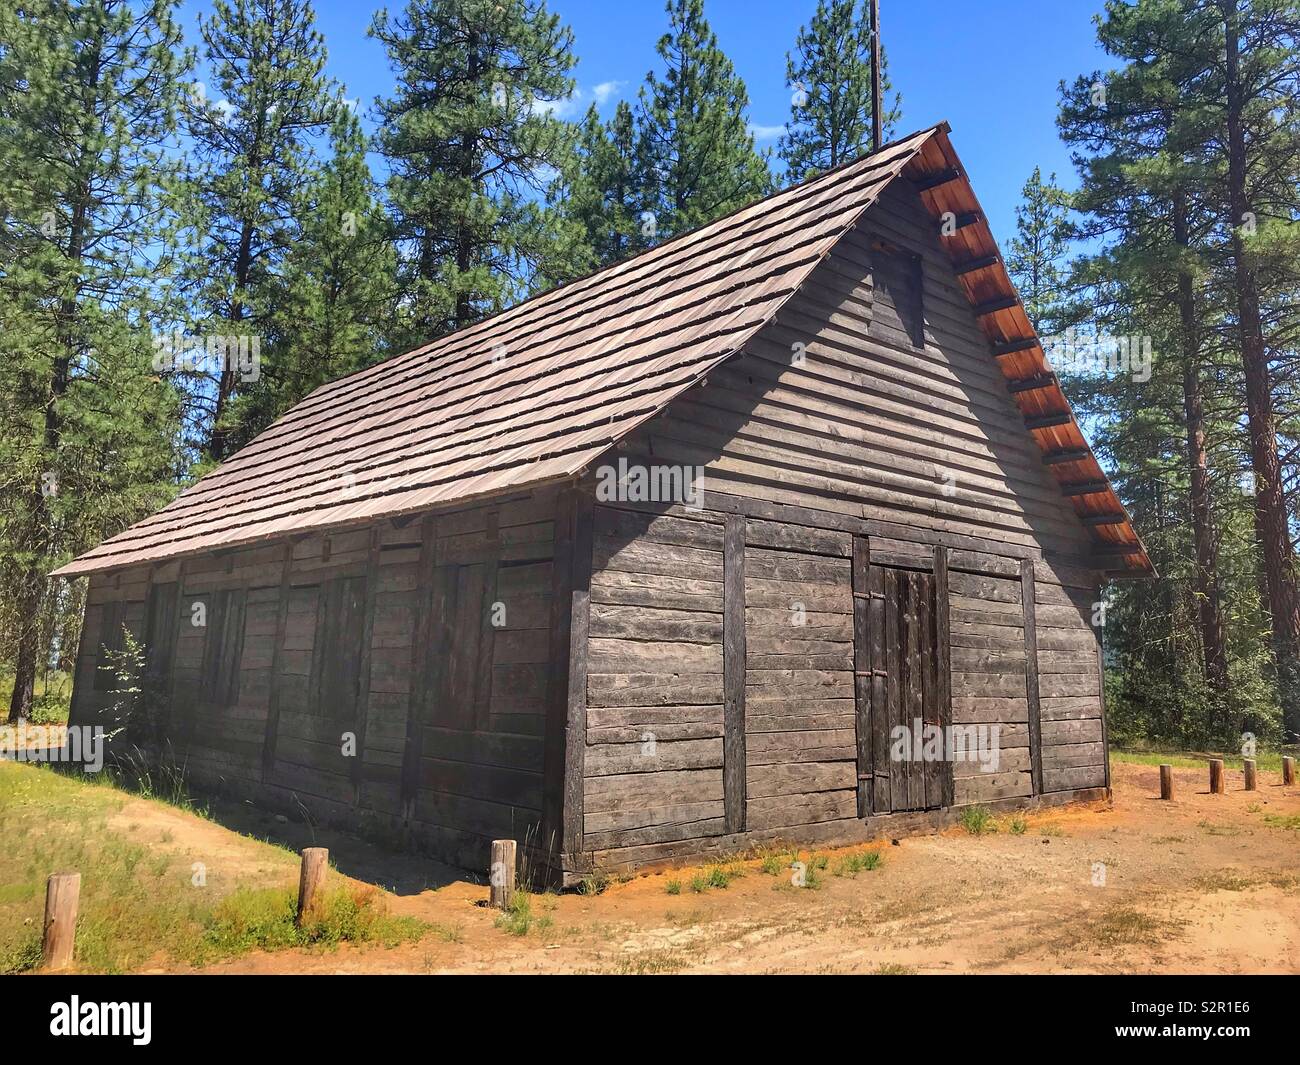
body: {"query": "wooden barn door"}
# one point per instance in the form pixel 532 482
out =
pixel 902 687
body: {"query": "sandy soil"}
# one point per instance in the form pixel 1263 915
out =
pixel 1202 884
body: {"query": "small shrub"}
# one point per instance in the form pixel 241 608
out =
pixel 518 917
pixel 1018 826
pixel 263 919
pixel 853 864
pixel 977 820
pixel 673 887
pixel 699 883
pixel 772 864
pixel 22 956
pixel 812 878
pixel 594 884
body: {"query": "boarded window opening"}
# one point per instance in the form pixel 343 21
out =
pixel 464 689
pixel 112 618
pixel 160 641
pixel 223 650
pixel 337 654
pixel 897 302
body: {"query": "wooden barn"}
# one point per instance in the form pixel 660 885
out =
pixel 659 564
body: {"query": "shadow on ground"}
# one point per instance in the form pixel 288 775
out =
pixel 396 871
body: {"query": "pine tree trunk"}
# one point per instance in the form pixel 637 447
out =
pixel 1208 601
pixel 29 608
pixel 1272 530
pixel 54 389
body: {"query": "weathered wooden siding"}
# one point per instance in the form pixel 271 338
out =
pixel 821 413
pixel 823 430
pixel 800 739
pixel 654 759
pixel 989 683
pixel 113 601
pixel 330 685
pixel 1069 666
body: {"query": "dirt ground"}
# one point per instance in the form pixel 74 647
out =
pixel 1202 884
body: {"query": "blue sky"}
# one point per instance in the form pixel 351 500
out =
pixel 990 68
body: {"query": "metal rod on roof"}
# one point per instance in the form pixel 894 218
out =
pixel 877 123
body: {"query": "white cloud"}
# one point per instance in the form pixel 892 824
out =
pixel 571 107
pixel 565 108
pixel 765 133
pixel 606 91
pixel 546 174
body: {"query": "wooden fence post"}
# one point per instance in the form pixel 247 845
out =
pixel 1288 770
pixel 1216 776
pixel 315 862
pixel 501 875
pixel 1166 781
pixel 1248 764
pixel 62 893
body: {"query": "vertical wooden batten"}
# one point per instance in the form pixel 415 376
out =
pixel 1101 698
pixel 419 667
pixel 363 671
pixel 862 673
pixel 564 760
pixel 1027 601
pixel 273 696
pixel 878 711
pixel 943 662
pixel 733 672
pixel 169 712
pixel 487 633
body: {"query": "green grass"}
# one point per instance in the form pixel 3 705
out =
pixel 1211 829
pixel 263 919
pixel 138 903
pixel 673 887
pixel 519 918
pixel 853 864
pixel 1265 761
pixel 813 869
pixel 594 884
pixel 977 820
pixel 1017 826
pixel 1291 821
pixel 715 876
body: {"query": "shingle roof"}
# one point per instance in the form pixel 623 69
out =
pixel 531 395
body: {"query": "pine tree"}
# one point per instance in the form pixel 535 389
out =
pixel 830 77
pixel 1152 175
pixel 335 294
pixel 89 93
pixel 252 131
pixel 468 136
pixel 697 153
pixel 1036 254
pixel 602 191
pixel 1260 86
